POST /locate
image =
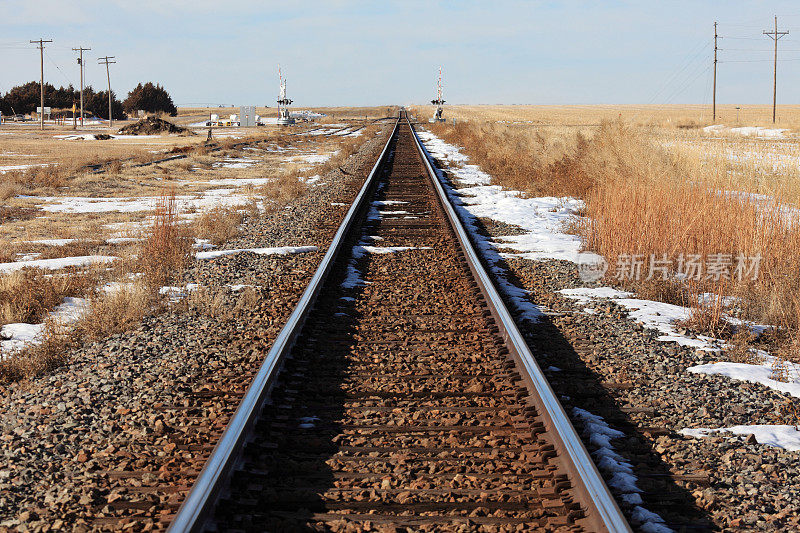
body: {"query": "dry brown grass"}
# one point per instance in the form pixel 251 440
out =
pixel 218 225
pixel 28 295
pixel 50 353
pixel 167 247
pixel 220 304
pixel 116 311
pixel 108 313
pixel 646 199
pixel 684 117
pixel 281 190
pixel 524 159
pixel 648 202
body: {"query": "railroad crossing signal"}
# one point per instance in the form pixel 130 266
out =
pixel 439 102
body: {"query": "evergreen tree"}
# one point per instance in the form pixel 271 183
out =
pixel 152 98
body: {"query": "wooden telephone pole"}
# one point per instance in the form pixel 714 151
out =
pixel 714 97
pixel 775 35
pixel 41 42
pixel 106 61
pixel 80 62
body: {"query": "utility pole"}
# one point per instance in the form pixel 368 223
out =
pixel 80 62
pixel 775 35
pixel 106 61
pixel 41 42
pixel 714 97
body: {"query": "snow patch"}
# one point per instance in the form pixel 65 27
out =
pixel 21 335
pixel 622 478
pixel 57 263
pixel 650 314
pixel 748 131
pixel 762 374
pixel 280 250
pixel 786 437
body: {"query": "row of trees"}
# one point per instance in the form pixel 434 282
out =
pixel 150 97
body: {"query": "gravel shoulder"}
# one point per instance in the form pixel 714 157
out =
pixel 607 364
pixel 97 444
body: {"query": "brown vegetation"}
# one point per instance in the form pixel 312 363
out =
pixel 644 199
pixel 218 225
pixel 29 295
pixel 167 247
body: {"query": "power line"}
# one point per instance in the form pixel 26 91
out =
pixel 714 94
pixel 687 62
pixel 58 68
pixel 686 85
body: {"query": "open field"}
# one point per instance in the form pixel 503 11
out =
pixel 678 116
pixel 653 191
pixel 93 211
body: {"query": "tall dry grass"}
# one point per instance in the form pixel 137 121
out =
pixel 167 248
pixel 646 200
pixel 29 295
pixel 278 192
pixel 111 312
pixel 526 160
pixel 219 224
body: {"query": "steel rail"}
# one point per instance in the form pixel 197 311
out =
pixel 194 511
pixel 606 510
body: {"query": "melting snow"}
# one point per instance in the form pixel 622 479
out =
pixel 762 373
pixel 655 315
pixel 235 162
pixel 313 158
pixel 20 335
pixel 748 131
pixel 786 437
pixel 78 204
pixel 620 471
pixel 50 242
pixel 281 250
pixel 55 264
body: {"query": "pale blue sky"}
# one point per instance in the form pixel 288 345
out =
pixel 345 52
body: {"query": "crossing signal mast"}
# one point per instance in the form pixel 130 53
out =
pixel 284 118
pixel 439 102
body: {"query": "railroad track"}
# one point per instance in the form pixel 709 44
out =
pixel 400 393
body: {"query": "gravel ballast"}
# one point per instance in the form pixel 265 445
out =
pixel 88 446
